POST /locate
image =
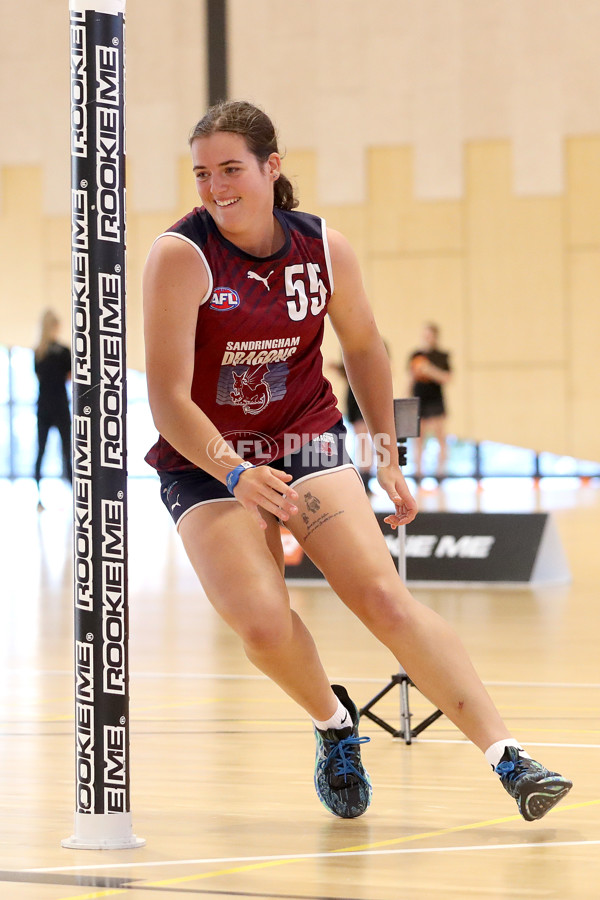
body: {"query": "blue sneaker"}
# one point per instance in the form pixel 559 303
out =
pixel 343 786
pixel 535 789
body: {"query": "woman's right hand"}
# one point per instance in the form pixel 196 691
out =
pixel 267 488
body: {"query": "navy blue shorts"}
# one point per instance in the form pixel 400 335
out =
pixel 183 491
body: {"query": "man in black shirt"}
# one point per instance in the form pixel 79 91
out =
pixel 429 369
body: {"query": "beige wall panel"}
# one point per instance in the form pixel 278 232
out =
pixel 375 112
pixel 135 340
pixel 437 100
pixel 57 240
pixel 539 101
pixel 436 226
pixel 284 36
pixel 165 70
pixel 526 406
pixel 341 173
pixel 187 195
pixel 34 80
pixel 390 189
pixel 488 55
pixel 580 69
pixel 190 63
pixel 515 265
pixel 22 294
pixel 406 293
pixel 429 74
pixel 53 144
pixel 162 39
pixel 57 269
pixel 389 51
pixel 398 222
pixel 57 293
pixel 351 221
pixel 166 61
pixel 584 340
pixel 300 166
pixel 142 230
pixel 152 170
pixel 583 191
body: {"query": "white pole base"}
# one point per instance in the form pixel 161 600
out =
pixel 103 831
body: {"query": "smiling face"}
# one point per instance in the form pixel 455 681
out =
pixel 235 188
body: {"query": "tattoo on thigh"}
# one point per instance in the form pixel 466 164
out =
pixel 313 505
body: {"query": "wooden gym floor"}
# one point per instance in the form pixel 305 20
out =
pixel 222 761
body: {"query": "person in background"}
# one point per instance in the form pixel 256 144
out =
pixel 429 371
pixel 363 449
pixel 52 362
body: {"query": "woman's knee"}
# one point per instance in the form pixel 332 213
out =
pixel 385 607
pixel 266 631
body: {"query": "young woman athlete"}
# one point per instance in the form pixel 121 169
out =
pixel 235 297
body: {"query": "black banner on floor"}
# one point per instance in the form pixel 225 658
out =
pixel 469 548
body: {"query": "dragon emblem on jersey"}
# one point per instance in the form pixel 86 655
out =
pixel 250 390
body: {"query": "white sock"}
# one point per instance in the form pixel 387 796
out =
pixel 494 753
pixel 340 719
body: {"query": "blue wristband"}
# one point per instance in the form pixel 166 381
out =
pixel 234 476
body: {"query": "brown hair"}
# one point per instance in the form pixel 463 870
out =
pixel 254 125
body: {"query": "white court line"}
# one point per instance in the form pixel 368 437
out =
pixel 206 676
pixel 419 740
pixel 219 861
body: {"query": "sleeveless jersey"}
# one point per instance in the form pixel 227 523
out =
pixel 258 368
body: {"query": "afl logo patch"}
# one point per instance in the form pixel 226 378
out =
pixel 224 298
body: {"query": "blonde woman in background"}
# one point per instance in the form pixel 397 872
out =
pixel 52 362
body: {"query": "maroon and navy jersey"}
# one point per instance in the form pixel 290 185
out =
pixel 258 370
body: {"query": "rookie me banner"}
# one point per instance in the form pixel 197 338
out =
pixel 496 548
pixel 102 770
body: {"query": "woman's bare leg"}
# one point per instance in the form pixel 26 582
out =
pixel 240 570
pixel 438 428
pixel 345 542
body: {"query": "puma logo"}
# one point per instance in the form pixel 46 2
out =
pixel 265 281
pixel 176 504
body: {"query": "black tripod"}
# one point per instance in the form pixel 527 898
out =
pixel 406 416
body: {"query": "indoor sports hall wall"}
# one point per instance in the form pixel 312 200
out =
pixel 455 142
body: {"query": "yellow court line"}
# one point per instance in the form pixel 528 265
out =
pixel 269 864
pixel 456 828
pixel 94 896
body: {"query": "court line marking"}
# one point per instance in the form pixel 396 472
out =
pixel 262 722
pixel 246 677
pixel 529 743
pixel 269 863
pixel 272 863
pixel 358 849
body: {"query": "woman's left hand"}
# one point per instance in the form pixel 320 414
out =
pixel 392 481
